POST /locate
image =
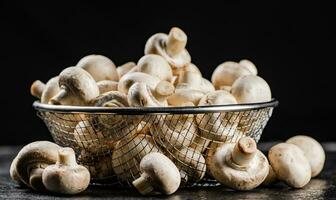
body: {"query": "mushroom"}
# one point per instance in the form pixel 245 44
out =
pixel 66 176
pixel 190 162
pixel 51 89
pixel 225 87
pixel 157 173
pixel 31 161
pixel 217 126
pixel 227 73
pixel 88 136
pixel 240 166
pixel 249 65
pixel 195 81
pixel 171 47
pixel 140 95
pixel 13 173
pixel 99 67
pixel 114 127
pixel 77 87
pixel 36 89
pixel 185 95
pixel 128 153
pixel 107 85
pixel 134 77
pixel 156 66
pixel 290 164
pixel 251 89
pixel 313 151
pixel 125 68
pixel 174 131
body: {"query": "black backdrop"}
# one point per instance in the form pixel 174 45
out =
pixel 293 47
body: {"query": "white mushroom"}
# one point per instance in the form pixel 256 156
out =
pixel 32 160
pixel 190 162
pixel 107 85
pixel 157 173
pixel 51 89
pixel 128 153
pixel 140 95
pixel 249 65
pixel 174 131
pixel 114 127
pixel 125 68
pixel 77 87
pixel 290 164
pixel 195 81
pixel 171 47
pixel 251 89
pixel 136 77
pixel 240 166
pixel 217 126
pixel 227 73
pixel 100 67
pixel 36 89
pixel 313 151
pixel 66 176
pixel 185 95
pixel 155 65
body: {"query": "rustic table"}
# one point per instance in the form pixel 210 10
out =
pixel 322 187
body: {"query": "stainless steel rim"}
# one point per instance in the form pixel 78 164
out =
pixel 154 110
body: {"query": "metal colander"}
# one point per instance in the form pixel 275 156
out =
pixel 111 142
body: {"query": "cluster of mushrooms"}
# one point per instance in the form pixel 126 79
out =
pixel 163 77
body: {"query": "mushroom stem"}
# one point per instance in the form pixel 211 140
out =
pixel 244 151
pixel 37 88
pixel 35 179
pixel 66 156
pixel 143 184
pixel 176 41
pixel 61 96
pixel 163 90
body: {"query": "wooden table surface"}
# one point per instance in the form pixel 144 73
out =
pixel 322 187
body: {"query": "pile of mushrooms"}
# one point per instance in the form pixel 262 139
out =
pixel 45 166
pixel 157 155
pixel 295 161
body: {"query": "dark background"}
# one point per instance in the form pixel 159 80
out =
pixel 293 47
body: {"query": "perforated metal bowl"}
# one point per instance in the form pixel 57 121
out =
pixel 111 142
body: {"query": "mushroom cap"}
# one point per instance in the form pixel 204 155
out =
pixel 159 44
pixel 125 68
pixel 195 81
pixel 116 126
pixel 128 153
pixel 140 95
pixel 217 126
pixel 174 131
pixel 51 89
pixel 107 85
pixel 66 176
pixel 290 164
pixel 35 155
pixel 77 87
pixel 134 77
pixel 238 177
pixel 182 96
pixel 249 65
pixel 100 67
pixel 313 151
pixel 161 171
pixel 227 73
pixel 191 162
pixel 36 89
pixel 155 65
pixel 12 171
pixel 218 97
pixel 251 89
